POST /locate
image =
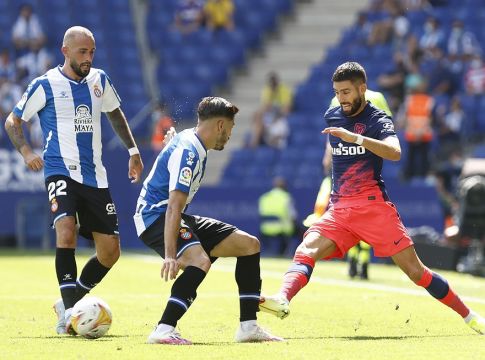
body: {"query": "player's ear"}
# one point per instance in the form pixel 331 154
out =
pixel 64 50
pixel 363 88
pixel 220 124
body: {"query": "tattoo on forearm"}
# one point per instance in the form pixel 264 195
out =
pixel 16 135
pixel 121 128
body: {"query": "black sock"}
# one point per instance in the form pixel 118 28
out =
pixel 66 275
pixel 93 272
pixel 248 280
pixel 184 292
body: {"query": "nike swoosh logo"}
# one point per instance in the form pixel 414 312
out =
pixel 396 242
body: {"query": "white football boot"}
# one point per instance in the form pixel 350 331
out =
pixel 476 322
pixel 275 305
pixel 254 333
pixel 61 321
pixel 165 334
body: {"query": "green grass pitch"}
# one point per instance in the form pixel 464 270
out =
pixel 332 318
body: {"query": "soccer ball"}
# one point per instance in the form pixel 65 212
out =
pixel 91 317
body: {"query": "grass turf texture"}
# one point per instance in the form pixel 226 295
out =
pixel 332 318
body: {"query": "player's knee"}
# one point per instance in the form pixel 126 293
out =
pixel 65 235
pixel 414 273
pixel 202 263
pixel 251 245
pixel 109 255
pixel 198 259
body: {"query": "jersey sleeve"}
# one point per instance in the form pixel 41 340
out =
pixel 33 100
pixel 181 167
pixel 383 128
pixel 111 99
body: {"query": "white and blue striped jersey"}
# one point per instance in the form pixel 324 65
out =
pixel 70 117
pixel 179 166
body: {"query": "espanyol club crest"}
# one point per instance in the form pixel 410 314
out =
pixel 359 128
pixel 185 234
pixel 96 91
pixel 54 205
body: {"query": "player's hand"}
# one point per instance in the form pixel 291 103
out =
pixel 135 168
pixel 169 136
pixel 341 133
pixel 170 268
pixel 33 161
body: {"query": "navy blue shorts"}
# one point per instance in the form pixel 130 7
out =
pixel 194 230
pixel 93 208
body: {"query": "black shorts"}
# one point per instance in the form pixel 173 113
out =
pixel 194 230
pixel 92 207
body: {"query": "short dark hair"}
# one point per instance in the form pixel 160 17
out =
pixel 212 106
pixel 351 70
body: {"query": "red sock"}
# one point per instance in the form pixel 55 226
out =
pixel 297 275
pixel 437 286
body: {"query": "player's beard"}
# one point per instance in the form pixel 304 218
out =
pixel 356 104
pixel 221 141
pixel 77 68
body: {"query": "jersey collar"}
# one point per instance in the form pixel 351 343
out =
pixel 82 81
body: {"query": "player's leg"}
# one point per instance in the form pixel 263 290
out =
pixel 107 253
pixel 246 249
pixel 195 264
pixel 353 257
pixel 63 201
pixel 437 286
pixel 364 260
pixel 66 269
pixel 327 238
pixel 313 247
pixel 97 221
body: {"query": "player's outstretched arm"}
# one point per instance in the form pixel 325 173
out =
pixel 120 126
pixel 388 149
pixel 13 127
pixel 173 216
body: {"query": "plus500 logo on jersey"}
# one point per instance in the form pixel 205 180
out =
pixel 348 150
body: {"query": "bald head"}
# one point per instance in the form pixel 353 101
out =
pixel 78 48
pixel 76 33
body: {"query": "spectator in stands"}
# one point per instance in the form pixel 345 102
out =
pixel 162 123
pixel 392 82
pixel 278 216
pixel 440 79
pixel 359 32
pixel 10 92
pixel 33 64
pixel 7 67
pixel 432 38
pixel 27 31
pixel 449 125
pixel 416 116
pixel 219 14
pixel 276 100
pixel 475 77
pixel 383 30
pixel 189 16
pixel 462 45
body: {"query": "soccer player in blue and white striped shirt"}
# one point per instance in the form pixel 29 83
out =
pixel 191 242
pixel 69 100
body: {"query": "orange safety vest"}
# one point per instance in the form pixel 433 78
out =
pixel 418 118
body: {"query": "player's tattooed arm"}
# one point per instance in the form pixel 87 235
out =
pixel 121 128
pixel 120 125
pixel 13 127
